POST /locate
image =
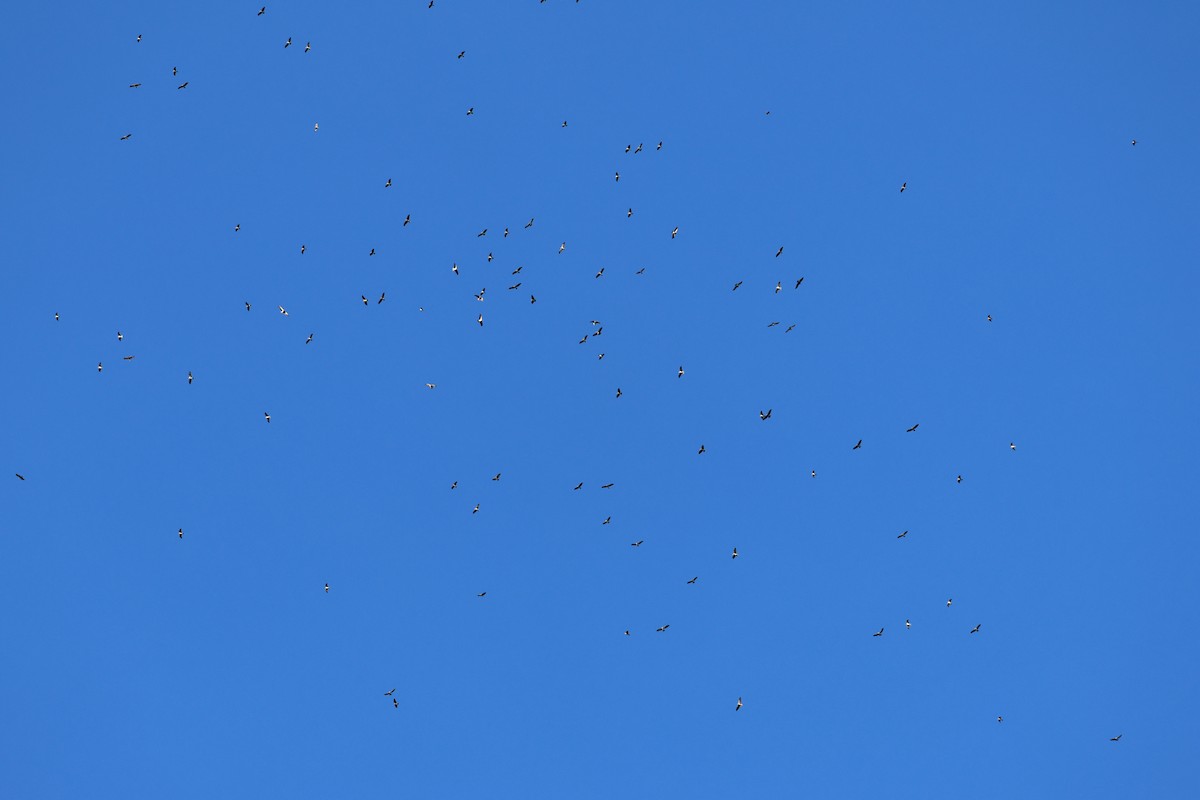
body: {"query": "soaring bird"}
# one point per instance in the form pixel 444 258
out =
pixel 907 625
pixel 664 627
pixel 182 85
pixel 675 232
pixel 496 477
pixel 778 286
pixel 798 282
pixel 958 479
pixel 482 594
pixel 618 391
pixel 903 186
pixel 627 632
pixel 475 510
pixel 530 223
pixel 316 126
pixel 949 601
pixel 736 285
pixel 262 11
pixel 779 252
pixel 288 43
pixel 738 707
pixel 189 377
pixel 607 520
pixel 431 385
pixel 303 248
pixel 56 316
pixel 268 416
pixel 578 487
pixel 789 328
pixel 127 358
pixel 617 176
pixel 601 272
pixel 372 252
pixel 237 227
pixel 470 111
pixel 680 373
pixel 389 694
pixel 282 310
pixel 126 136
pixel 462 53
pixel 480 320
pixel 562 247
pixel 181 533
pixel 481 233
pixel 120 337
pixel 382 295
pixel 765 416
pixel 454 268
pixel 1133 142
pixel 174 71
pixel 638 543
pixel 659 146
pixel 999 719
pixel 607 485
pixel 19 475
pixel 629 213
pixel 628 147
pixel 309 339
pixel 139 38
pixel 814 473
pixel 902 535
pixel 1012 446
pixel 772 324
pixel 134 85
pixel 913 428
pixel 693 580
pixel 641 271
pixel 100 366
pixel 454 485
pixel 878 633
pixel 307 46
pixel 701 451
pixel 735 553
pixel 388 184
pixel 858 445
pixel 975 629
pixel 1116 738
pixel 327 588
pixel 989 317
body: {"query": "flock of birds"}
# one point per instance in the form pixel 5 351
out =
pixel 764 415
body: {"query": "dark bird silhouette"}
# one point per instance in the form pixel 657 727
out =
pixel 382 295
pixel 482 594
pixel 127 358
pixel 664 627
pixel 878 633
pixel 100 366
pixel 496 477
pixel 134 85
pixel 680 373
pixel 481 233
pixel 858 445
pixel 975 629
pixel 693 580
pixel 675 232
pixel 303 248
pixel 999 719
pixel 913 428
pixel 1116 738
pixel 174 71
pixel 262 11
pixel 268 416
pixel 327 588
pixel 907 625
pixel 958 479
pixel 19 476
pixel 56 316
pixel 454 485
pixel 365 301
pixel 765 416
pixel 471 111
pixel 617 176
pixel 700 452
pixel 181 533
pixel 735 553
pixel 618 391
pixel 189 378
pixel 126 137
pixel 120 337
pixel 789 328
pixel 902 535
pixel 463 53
pixel 659 146
pixel 949 601
pixel 288 43
pixel 578 487
pixel 772 324
pixel 532 299
pixel 608 486
pixel 903 186
pixel 738 707
pixel 606 521
pixel 395 703
pixel 480 320
pixel 388 184
pixel 530 223
pixel 475 510
pixel 309 339
pixel 247 306
pixel 307 46
pixel 779 252
pixel 139 37
pixel 183 85
pixel 736 285
pixel 638 543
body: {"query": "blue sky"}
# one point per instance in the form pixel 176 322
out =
pixel 139 664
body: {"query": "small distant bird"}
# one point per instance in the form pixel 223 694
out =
pixel 1012 446
pixel 600 357
pixel 779 252
pixel 628 147
pixel 629 213
pixel 489 258
pixel 388 184
pixel 601 272
pixel 481 233
pixel 19 475
pixel 288 43
pixel 1134 142
pixel 640 271
pixel 496 477
pixel 975 629
pixel 134 85
pixel 664 627
pixel 454 485
pixel 902 535
pixel 181 533
pixel 470 111
pixel 562 247
pixel 772 324
pixel 789 329
pixel 797 286
pixel 878 633
pixel 958 479
pixel 189 378
pixel 989 317
pixel 608 486
pixel 262 11
pixel 1116 738
pixel 237 227
pixel 903 186
pixel 607 520
pixel 327 588
pixel 627 633
pixel 480 320
pixel 309 339
pixel 247 306
pixel 765 416
pixel 814 473
pixel 693 580
pixel 303 249
pixel 431 385
pixel 907 625
pixel 120 337
pixel 462 53
pixel 736 285
pixel 174 71
pixel 578 487
pixel 382 295
pixel 618 391
pixel 100 366
pixel 618 176
pixel 139 37
pixel 913 428
pixel 700 452
pixel 530 223
pixel 735 553
pixel 127 358
pixel 56 316
pixel 858 445
pixel 268 416
pixel 482 594
pixel 680 373
pixel 948 602
pixel 182 85
pixel 564 123
pixel 738 707
pixel 532 299
pixel 307 46
pixel 675 232
pixel 283 311
pixel 372 252
pixel 999 719
pixel 659 146
pixel 454 268
pixel 475 510
pixel 778 286
pixel 639 147
pixel 316 127
pixel 505 233
pixel 389 694
pixel 638 543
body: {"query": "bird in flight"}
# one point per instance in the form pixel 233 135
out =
pixel 189 377
pixel 618 176
pixel 307 46
pixel 779 252
pixel 139 38
pixel 126 136
pixel 181 533
pixel 182 85
pixel 675 232
pixel 475 510
pixel 100 366
pixel 772 324
pixel 858 445
pixel 902 535
pixel 389 694
pixel 578 487
pixel 618 391
pixel 134 85
pixel 395 703
pixel 496 477
pixel 482 594
pixel 471 111
pixel 778 286
pixel 1116 738
pixel 680 374
pixel 127 358
pixel 765 416
pixel 434 386
pixel 608 486
pixel 693 580
pixel 480 320
pixel 664 627
pixel 975 629
pixel 907 625
pixel 288 43
pixel 282 310
pixel 999 719
pixel 1012 446
pixel 327 588
pixel 903 186
pixel 562 247
pixel 735 553
pixel 1133 143
pixel 268 416
pixel 958 479
pixel 462 54
pixel 948 602
pixel 530 223
pixel 120 337
pixel 382 295
pixel 797 286
pixel 302 249
pixel 261 11
pixel 607 520
pixel 989 317
pixel 789 328
pixel 372 252
pixel 700 452
pixel 19 476
pixel 638 543
pixel 309 339
pixel 56 316
pixel 736 285
pixel 878 633
pixel 913 428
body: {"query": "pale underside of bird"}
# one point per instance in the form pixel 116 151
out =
pixel 735 553
pixel 738 707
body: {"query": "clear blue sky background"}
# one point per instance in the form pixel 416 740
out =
pixel 139 665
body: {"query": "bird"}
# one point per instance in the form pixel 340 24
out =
pixel 814 473
pixel 989 317
pixel 914 427
pixel 958 479
pixel 454 268
pixel 372 252
pixel 481 233
pixel 772 324
pixel 327 588
pixel 975 629
pixel 618 391
pixel 182 85
pixel 480 320
pixel 617 176
pixel 309 339
pixel 606 521
pixel 639 147
pixel 100 366
pixel 482 594
pixel 307 46
pixel 779 252
pixel 948 602
pixel 533 300
pixel 454 485
pixel 578 487
pixel 1012 446
pixel 189 377
pixel 638 543
pixel 262 11
pixel 382 295
pixel 664 627
pixel 1133 142
pixel 247 306
pixel 395 703
pixel 282 311
pixel 778 286
pixel 288 43
pixel 19 476
pixel 680 373
pixel 174 71
pixel 608 486
pixel 765 416
pixel 902 535
pixel 388 184
pixel 693 580
pixel 562 247
pixel 496 477
pixel 903 186
pixel 431 385
pixel 505 236
pixel 701 451
pixel 628 147
pixel 530 223
pixel 1116 738
pixel 56 316
pixel 268 416
pixel 564 123
pixel 139 37
pixel 126 137
pixel 302 249
pixel 462 53
pixel 907 625
pixel 629 213
pixel 601 272
pixel 627 632
pixel 237 227
pixel 858 445
pixel 127 358
pixel 134 85
pixel 738 707
pixel 736 285
pixel 181 533
pixel 878 633
pixel 475 510
pixel 659 146
pixel 675 232
pixel 789 328
pixel 800 281
pixel 735 553
pixel 470 111
pixel 316 126
pixel 120 337
pixel 999 719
